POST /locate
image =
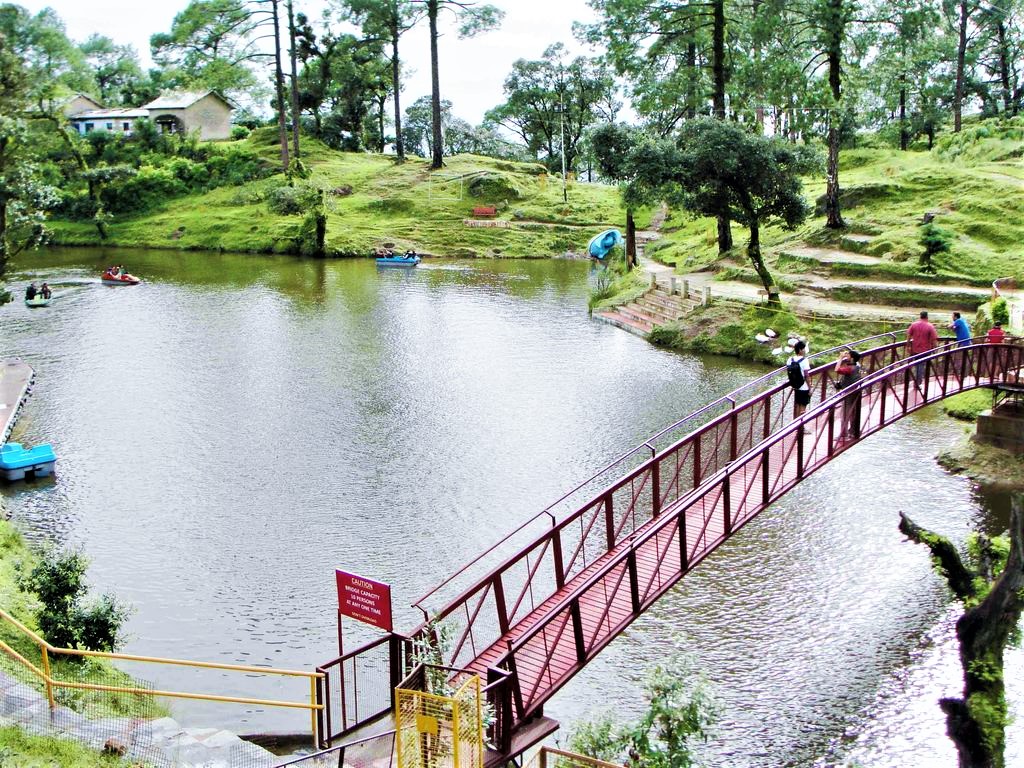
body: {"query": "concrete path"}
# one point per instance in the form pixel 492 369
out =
pixel 161 743
pixel 831 255
pixel 15 380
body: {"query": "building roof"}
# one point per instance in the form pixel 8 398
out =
pixel 101 114
pixel 182 99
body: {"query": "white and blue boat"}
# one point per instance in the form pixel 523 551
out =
pixel 408 260
pixel 16 461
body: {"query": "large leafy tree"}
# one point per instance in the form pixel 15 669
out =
pixel 213 43
pixel 471 19
pixel 24 198
pixel 665 46
pixel 340 81
pixel 54 66
pixel 715 168
pixel 418 129
pixel 907 46
pixel 387 20
pixel 551 102
pixel 114 67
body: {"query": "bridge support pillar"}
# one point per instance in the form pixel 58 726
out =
pixel 1003 426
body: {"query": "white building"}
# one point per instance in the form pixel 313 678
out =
pixel 207 112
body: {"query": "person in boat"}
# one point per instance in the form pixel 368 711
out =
pixel 410 254
pixel 31 291
pixel 45 291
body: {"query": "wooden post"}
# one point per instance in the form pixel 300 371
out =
pixel 654 281
pixel 609 520
pixel 707 295
pixel 556 542
pixel 634 581
pixel 686 289
pixel 577 631
pixel 727 512
pixel 765 479
pixel 499 603
pixel 655 488
pixel 672 288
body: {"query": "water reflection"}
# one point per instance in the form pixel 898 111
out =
pixel 238 426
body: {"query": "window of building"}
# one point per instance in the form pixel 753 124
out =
pixel 89 127
pixel 110 126
pixel 126 127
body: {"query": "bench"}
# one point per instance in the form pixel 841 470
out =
pixel 485 211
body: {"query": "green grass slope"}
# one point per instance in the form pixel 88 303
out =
pixel 973 183
pixel 371 202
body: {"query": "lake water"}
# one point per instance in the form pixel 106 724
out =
pixel 237 427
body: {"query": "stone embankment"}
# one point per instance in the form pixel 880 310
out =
pixel 161 743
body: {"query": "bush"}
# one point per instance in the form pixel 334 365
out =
pixel 1000 312
pixel 935 241
pixel 148 189
pixel 58 580
pixel 494 187
pixel 289 201
pixel 239 132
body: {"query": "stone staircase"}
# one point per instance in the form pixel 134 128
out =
pixel 656 307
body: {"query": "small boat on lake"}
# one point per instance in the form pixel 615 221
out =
pixel 38 301
pixel 410 259
pixel 119 278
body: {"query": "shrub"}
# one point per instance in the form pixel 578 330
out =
pixel 239 132
pixel 289 201
pixel 1000 312
pixel 935 241
pixel 494 187
pixel 148 189
pixel 58 580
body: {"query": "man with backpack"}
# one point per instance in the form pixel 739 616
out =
pixel 798 367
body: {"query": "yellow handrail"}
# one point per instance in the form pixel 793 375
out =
pixel 45 675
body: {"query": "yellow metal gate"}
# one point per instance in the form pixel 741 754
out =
pixel 440 731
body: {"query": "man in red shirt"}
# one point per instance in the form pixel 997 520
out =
pixel 923 338
pixel 997 335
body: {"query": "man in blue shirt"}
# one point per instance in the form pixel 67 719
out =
pixel 961 329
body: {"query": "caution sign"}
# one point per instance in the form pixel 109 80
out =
pixel 365 600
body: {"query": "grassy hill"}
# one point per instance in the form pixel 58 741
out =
pixel 372 201
pixel 972 182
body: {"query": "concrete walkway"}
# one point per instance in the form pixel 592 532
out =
pixel 162 743
pixel 15 380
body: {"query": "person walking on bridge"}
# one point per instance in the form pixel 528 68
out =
pixel 798 367
pixel 922 338
pixel 961 329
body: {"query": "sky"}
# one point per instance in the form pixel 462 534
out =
pixel 472 71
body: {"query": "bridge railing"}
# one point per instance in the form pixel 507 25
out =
pixel 474 619
pixel 576 627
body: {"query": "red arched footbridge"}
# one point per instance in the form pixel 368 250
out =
pixel 534 609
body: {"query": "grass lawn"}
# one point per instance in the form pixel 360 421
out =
pixel 23 750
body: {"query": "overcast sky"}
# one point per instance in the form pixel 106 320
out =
pixel 472 71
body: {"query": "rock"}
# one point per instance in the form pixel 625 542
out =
pixel 928 217
pixel 770 333
pixel 115 747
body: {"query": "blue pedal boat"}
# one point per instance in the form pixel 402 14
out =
pixel 398 261
pixel 16 461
